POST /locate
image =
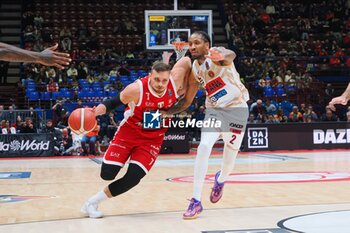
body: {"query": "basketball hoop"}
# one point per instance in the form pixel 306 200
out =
pixel 180 49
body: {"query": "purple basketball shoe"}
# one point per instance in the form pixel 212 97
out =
pixel 217 190
pixel 194 209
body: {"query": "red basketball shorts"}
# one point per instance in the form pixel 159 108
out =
pixel 138 145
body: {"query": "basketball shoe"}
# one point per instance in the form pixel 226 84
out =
pixel 194 209
pixel 217 190
pixel 91 210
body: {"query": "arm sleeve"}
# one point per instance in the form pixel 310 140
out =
pixel 112 103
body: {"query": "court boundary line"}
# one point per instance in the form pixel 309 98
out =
pixel 177 211
pixel 192 153
pixel 280 223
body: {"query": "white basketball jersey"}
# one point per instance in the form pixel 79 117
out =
pixel 222 84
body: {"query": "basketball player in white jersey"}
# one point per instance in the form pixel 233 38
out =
pixel 226 99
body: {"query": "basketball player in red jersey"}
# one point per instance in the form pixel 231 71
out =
pixel 158 91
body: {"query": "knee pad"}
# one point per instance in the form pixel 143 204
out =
pixel 134 174
pixel 132 177
pixel 109 171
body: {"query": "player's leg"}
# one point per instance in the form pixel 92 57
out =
pixel 233 136
pixel 131 178
pixel 114 159
pixel 200 170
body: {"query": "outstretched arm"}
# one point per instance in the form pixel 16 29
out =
pixel 221 56
pixel 343 99
pixel 48 57
pixel 180 73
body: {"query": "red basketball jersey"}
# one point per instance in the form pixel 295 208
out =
pixel 149 101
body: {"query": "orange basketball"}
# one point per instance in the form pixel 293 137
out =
pixel 82 121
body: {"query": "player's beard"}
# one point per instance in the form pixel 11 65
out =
pixel 159 91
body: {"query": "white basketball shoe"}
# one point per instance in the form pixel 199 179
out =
pixel 91 210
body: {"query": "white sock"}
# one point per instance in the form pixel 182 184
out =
pixel 98 197
pixel 201 164
pixel 228 163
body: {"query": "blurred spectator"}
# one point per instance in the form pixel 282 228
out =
pixel 82 33
pixel 270 8
pixel 27 18
pixel 309 112
pixel 119 85
pixel 91 77
pixel 271 119
pixel 251 119
pixel 67 142
pixel 28 34
pixel 329 116
pixel 57 111
pixel 123 69
pixel 329 92
pixel 113 72
pixel 129 26
pixel 28 126
pixel 51 73
pixel 112 125
pixel 66 38
pixel 82 70
pixel 270 108
pixel 38 46
pixel 258 109
pixel 79 104
pixel 63 123
pixel 38 20
pixel 103 76
pixel 72 72
pixel 129 55
pixel 7 128
pixel 295 115
pixel 46 35
pixel 91 139
pixel 93 41
pixel 302 108
pixel 52 86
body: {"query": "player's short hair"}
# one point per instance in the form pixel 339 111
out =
pixel 204 36
pixel 160 66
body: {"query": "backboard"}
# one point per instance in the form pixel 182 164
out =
pixel 162 27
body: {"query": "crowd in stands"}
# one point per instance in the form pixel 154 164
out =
pixel 282 46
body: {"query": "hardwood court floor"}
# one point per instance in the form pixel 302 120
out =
pixel 265 188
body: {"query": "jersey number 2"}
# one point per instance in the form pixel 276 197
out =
pixel 233 138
